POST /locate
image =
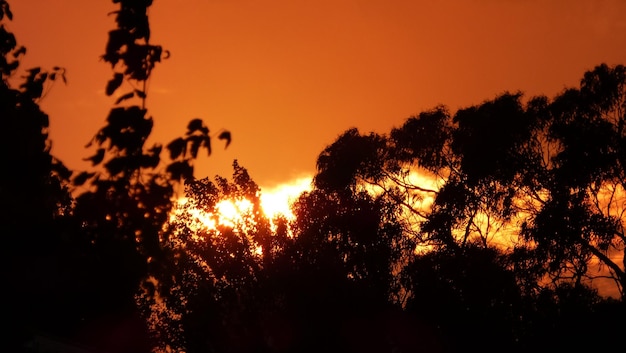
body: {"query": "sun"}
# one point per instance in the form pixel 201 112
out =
pixel 277 201
pixel 232 213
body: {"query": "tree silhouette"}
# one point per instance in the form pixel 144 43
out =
pixel 539 183
pixel 127 198
pixel 33 187
pixel 553 167
pixel 580 219
pixel 336 279
pixel 471 297
pixel 208 296
pixel 317 282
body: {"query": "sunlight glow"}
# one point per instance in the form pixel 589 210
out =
pixel 232 212
pixel 277 201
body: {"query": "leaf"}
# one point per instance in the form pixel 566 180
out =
pixel 118 38
pixel 122 164
pixel 114 83
pixel 178 170
pixel 206 142
pixel 156 149
pixel 125 97
pixel 20 51
pixel 225 135
pixel 82 178
pixel 195 125
pixel 152 158
pixel 177 147
pixel 34 71
pixel 140 94
pixel 155 52
pixel 97 158
pixel 195 141
pixel 61 170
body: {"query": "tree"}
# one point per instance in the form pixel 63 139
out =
pixel 127 198
pixel 580 221
pixel 208 298
pixel 33 179
pixel 470 297
pixel 508 172
pixel 334 284
pixel 534 185
pixel 317 282
pixel 34 190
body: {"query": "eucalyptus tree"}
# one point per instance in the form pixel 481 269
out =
pixel 540 178
pixel 578 227
pixel 525 192
pixel 453 178
pixel 449 184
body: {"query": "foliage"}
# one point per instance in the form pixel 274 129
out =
pixel 466 295
pixel 236 284
pixel 542 175
pixel 534 188
pixel 209 292
pixel 125 201
pixel 33 188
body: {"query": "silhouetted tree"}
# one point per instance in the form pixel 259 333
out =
pixel 538 182
pixel 318 282
pixel 334 285
pixel 33 188
pixel 208 298
pixel 581 217
pixel 127 198
pixel 541 174
pixel 471 297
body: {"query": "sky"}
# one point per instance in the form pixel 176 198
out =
pixel 287 77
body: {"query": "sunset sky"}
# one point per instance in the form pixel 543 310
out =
pixel 286 77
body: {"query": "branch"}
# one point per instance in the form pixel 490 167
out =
pixel 604 258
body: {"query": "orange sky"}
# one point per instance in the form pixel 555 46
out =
pixel 288 76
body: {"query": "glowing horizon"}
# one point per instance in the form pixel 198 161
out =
pixel 275 202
